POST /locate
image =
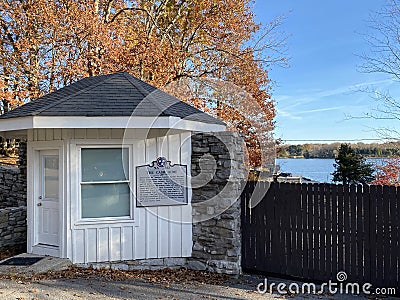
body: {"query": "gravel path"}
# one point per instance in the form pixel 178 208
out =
pixel 100 288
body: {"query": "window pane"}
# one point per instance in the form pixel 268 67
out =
pixel 50 177
pixel 105 200
pixel 107 164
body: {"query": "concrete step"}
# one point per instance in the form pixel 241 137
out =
pixel 47 263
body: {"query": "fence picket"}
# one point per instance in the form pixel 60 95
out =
pixel 280 217
pixel 297 257
pixel 251 240
pixel 270 223
pixel 396 240
pixel 323 232
pixel 386 196
pixel 260 225
pixel 245 225
pixel 310 229
pixel 340 253
pixel 317 231
pixel 353 234
pixel 334 222
pixel 304 230
pixel 379 236
pixel 389 193
pixel 346 229
pixel 328 231
pixel 372 233
pixel 276 251
pixel 360 233
pixel 288 224
pixel 292 204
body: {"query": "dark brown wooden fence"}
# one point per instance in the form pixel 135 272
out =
pixel 314 231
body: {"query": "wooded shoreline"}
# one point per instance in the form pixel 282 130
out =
pixel 374 150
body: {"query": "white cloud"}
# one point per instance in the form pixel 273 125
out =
pixel 306 97
pixel 320 110
pixel 285 114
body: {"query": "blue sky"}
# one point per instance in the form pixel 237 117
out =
pixel 321 88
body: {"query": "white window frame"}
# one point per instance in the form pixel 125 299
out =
pixel 82 220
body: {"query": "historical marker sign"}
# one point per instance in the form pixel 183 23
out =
pixel 161 184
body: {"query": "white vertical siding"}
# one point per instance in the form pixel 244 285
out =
pixel 155 232
pixel 78 238
pixel 139 239
pixel 127 242
pixel 175 213
pixel 115 243
pixel 151 223
pixel 57 134
pixel 91 238
pixel 163 211
pixel 186 215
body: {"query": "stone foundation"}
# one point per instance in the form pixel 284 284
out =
pixel 141 264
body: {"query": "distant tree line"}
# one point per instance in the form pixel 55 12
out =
pixel 331 150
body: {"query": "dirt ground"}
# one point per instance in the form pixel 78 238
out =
pixel 92 284
pixel 12 251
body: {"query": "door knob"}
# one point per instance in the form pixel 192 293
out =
pixel 40 197
pixel 39 204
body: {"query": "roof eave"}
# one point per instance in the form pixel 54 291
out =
pixel 12 124
pixel 136 122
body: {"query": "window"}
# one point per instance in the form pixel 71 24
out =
pixel 105 182
pixel 50 176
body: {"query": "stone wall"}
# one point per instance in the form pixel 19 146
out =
pixel 13 182
pixel 12 187
pixel 217 172
pixel 13 193
pixel 12 227
pixel 22 158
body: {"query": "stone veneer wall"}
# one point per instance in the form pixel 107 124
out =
pixel 13 187
pixel 217 172
pixel 12 227
pixel 13 182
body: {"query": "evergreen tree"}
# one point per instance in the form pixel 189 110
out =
pixel 351 168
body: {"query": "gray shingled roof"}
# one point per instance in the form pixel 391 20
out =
pixel 118 94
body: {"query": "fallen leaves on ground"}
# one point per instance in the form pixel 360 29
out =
pixel 11 251
pixel 165 276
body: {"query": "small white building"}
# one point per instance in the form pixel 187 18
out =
pixel 85 143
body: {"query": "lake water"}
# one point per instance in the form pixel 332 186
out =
pixel 317 169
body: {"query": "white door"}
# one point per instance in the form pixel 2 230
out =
pixel 47 202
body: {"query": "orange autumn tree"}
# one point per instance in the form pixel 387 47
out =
pixel 209 40
pixel 389 172
pixel 46 44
